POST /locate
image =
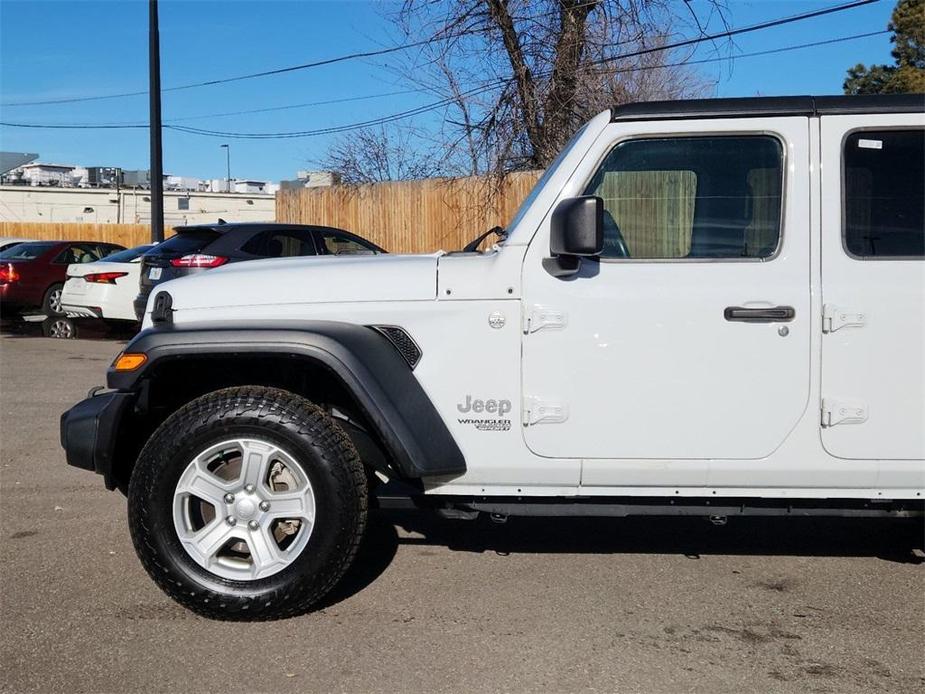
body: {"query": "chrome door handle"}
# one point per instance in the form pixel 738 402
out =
pixel 775 314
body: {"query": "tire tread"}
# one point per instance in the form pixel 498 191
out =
pixel 277 408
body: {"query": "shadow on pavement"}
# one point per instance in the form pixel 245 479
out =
pixel 888 539
pixel 78 328
pixel 895 540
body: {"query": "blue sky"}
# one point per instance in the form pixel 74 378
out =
pixel 52 50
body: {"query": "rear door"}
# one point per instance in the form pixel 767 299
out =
pixel 873 286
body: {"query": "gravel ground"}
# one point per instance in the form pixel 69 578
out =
pixel 555 605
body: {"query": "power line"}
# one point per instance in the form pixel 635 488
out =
pixel 415 44
pixel 729 33
pixel 236 78
pixel 753 54
pixel 366 97
pixel 421 109
pixel 446 102
pixel 439 104
pixel 288 107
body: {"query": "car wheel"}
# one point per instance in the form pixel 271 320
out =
pixel 247 503
pixel 51 304
pixel 59 327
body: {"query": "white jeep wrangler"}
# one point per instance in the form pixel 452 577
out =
pixel 711 307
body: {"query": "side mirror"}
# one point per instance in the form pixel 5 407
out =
pixel 576 231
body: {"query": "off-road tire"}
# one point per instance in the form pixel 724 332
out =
pixel 325 453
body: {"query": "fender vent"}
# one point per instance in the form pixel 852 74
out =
pixel 402 341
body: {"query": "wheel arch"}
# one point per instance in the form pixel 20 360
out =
pixel 352 370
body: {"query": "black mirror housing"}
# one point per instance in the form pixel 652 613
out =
pixel 576 231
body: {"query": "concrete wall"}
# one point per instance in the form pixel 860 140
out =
pixel 109 206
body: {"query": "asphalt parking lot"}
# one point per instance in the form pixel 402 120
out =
pixel 532 605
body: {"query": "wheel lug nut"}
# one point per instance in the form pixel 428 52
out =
pixel 229 498
pixel 253 525
pixel 231 520
pixel 264 505
pixel 249 488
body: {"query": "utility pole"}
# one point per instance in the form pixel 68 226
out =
pixel 154 96
pixel 227 149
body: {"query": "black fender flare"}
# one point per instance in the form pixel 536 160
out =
pixel 367 363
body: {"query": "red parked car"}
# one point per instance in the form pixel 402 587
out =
pixel 32 274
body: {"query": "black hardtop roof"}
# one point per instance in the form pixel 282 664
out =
pixel 747 107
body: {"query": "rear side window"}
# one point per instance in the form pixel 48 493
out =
pixel 280 244
pixel 341 244
pixel 691 198
pixel 884 191
pixel 78 254
pixel 187 241
pixel 27 251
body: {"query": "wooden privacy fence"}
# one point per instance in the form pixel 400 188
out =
pixel 411 216
pixel 127 235
pixel 654 211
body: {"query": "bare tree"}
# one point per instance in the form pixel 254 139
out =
pixel 380 154
pixel 518 77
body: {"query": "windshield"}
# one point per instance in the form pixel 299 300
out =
pixel 129 254
pixel 540 184
pixel 27 251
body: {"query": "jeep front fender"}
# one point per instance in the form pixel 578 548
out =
pixel 368 365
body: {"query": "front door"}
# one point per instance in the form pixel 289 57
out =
pixel 873 287
pixel 690 337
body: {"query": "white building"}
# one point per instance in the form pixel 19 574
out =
pixel 44 174
pixel 312 179
pixel 172 182
pixel 241 185
pixel 21 203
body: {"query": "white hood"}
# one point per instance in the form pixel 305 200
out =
pixel 307 280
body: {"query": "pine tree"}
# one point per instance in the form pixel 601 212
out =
pixel 908 74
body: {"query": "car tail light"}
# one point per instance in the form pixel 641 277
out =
pixel 199 260
pixel 104 277
pixel 8 274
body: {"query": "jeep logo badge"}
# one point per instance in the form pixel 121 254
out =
pixel 492 414
pixel 497 407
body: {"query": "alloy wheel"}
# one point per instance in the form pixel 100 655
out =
pixel 54 300
pixel 61 329
pixel 244 509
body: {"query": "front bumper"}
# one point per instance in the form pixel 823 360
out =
pixel 89 429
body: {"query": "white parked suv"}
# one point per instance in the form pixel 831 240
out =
pixel 707 307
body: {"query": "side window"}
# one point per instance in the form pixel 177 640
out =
pixel 279 244
pixel 77 254
pixel 691 197
pixel 884 191
pixel 339 244
pixel 92 253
